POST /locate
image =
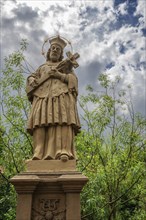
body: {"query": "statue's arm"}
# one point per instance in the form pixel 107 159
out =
pixel 32 79
pixel 70 79
pixel 58 75
pixel 73 83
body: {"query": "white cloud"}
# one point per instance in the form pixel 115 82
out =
pixel 141 11
pixel 141 7
pixel 7 8
pixel 36 4
pixel 122 9
pixel 90 27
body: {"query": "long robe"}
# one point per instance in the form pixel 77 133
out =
pixel 54 108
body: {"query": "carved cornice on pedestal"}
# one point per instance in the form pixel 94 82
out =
pixel 72 183
pixel 24 183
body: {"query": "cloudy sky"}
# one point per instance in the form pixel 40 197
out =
pixel 109 35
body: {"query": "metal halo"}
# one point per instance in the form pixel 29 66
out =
pixel 49 38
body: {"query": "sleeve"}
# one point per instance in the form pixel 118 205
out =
pixel 36 75
pixel 73 83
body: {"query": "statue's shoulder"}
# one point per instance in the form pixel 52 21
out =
pixel 48 63
pixel 44 64
pixel 41 67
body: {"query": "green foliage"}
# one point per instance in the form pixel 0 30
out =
pixel 7 200
pixel 15 143
pixel 111 151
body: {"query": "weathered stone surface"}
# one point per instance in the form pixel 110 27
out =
pixel 50 165
pixel 53 89
pixel 49 195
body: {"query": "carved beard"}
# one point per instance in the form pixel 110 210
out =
pixel 54 57
pixel 48 57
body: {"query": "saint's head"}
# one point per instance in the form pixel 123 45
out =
pixel 55 52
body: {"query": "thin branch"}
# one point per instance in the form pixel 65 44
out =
pixel 7 145
pixel 24 108
pixel 87 215
pixel 111 202
pixel 4 177
pixel 20 130
pixel 28 64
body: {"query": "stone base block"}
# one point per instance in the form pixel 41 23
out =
pixel 49 190
pixel 50 166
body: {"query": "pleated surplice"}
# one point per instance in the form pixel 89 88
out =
pixel 49 111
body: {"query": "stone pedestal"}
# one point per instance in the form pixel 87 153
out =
pixel 49 190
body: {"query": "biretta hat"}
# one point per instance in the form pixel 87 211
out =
pixel 59 41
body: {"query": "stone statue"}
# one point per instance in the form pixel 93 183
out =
pixel 53 121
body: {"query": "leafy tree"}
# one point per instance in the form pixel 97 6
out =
pixel 111 151
pixel 15 143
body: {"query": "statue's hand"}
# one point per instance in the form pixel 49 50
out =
pixel 32 81
pixel 55 74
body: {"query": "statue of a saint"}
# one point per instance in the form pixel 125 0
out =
pixel 53 120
